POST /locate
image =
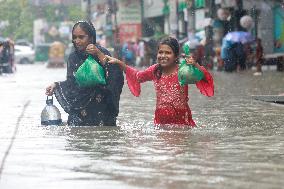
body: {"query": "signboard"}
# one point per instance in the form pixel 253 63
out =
pixel 199 17
pixel 129 12
pixel 129 20
pixel 129 32
pixel 228 3
pixel 278 29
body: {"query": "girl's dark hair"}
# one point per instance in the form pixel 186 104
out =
pixel 88 28
pixel 174 45
pixel 171 42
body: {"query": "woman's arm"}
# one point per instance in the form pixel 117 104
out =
pixel 113 74
pixel 95 51
pixel 69 75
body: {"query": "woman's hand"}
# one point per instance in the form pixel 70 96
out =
pixel 92 49
pixel 50 89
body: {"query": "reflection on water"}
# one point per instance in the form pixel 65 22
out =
pixel 238 143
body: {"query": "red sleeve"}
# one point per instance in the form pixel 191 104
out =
pixel 206 85
pixel 135 77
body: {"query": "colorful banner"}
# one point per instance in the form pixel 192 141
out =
pixel 278 29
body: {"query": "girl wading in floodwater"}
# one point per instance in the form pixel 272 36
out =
pixel 172 98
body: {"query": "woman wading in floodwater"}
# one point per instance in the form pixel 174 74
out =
pixel 90 106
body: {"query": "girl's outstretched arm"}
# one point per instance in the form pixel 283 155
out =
pixel 133 76
pixel 113 60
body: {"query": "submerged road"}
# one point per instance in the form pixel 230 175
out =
pixel 239 142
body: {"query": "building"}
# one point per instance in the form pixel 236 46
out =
pixel 64 2
pixel 131 19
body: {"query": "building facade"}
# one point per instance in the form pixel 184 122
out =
pixel 132 19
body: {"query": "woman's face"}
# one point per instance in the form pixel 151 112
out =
pixel 166 56
pixel 80 38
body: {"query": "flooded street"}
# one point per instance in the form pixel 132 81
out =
pixel 238 143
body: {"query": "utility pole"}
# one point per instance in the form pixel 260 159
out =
pixel 109 23
pixel 212 12
pixel 191 18
pixel 177 15
pixel 255 13
pixel 89 6
pixel 238 14
pixel 142 16
pixel 209 52
pixel 166 13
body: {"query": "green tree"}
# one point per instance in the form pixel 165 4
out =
pixel 20 19
pixel 75 13
pixel 21 14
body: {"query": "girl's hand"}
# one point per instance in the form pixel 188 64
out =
pixel 190 60
pixel 113 60
pixel 92 49
pixel 50 89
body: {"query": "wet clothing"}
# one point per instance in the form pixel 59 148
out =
pixel 233 55
pixel 94 106
pixel 128 53
pixel 259 54
pixel 172 98
pixel 240 55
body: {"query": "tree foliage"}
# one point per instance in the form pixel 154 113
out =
pixel 20 20
pixel 20 14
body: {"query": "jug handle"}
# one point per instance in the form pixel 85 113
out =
pixel 49 100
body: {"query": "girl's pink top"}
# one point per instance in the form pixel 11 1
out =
pixel 172 98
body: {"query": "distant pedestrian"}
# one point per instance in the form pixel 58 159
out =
pixel 258 57
pixel 240 56
pixel 128 53
pixel 227 55
pixel 152 51
pixel 199 54
pixel 140 54
pixel 220 62
pixel 249 55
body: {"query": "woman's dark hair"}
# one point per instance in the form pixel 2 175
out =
pixel 88 28
pixel 174 45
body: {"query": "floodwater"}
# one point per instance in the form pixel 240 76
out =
pixel 239 142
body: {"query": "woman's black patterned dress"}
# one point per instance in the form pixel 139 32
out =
pixel 92 106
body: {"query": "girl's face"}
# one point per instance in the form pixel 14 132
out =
pixel 80 38
pixel 166 56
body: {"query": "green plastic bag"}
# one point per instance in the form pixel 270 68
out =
pixel 90 73
pixel 187 73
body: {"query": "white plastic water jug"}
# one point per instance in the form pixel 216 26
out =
pixel 50 114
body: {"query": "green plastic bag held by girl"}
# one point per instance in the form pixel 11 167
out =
pixel 90 73
pixel 187 73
